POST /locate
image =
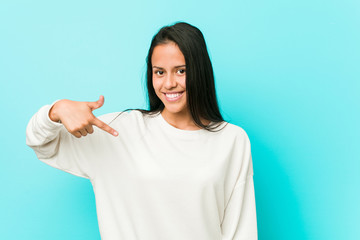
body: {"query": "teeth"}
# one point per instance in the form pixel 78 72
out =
pixel 173 95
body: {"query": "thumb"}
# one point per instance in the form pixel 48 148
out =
pixel 97 104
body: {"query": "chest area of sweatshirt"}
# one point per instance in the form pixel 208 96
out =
pixel 148 160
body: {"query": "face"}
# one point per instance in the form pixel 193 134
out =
pixel 169 76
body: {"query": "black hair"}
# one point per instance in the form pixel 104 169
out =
pixel 200 83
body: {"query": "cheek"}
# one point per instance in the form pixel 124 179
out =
pixel 182 82
pixel 156 84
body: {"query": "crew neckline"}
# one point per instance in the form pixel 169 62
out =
pixel 179 132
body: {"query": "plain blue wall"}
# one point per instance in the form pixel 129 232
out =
pixel 286 71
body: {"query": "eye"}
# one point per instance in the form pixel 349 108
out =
pixel 159 72
pixel 181 71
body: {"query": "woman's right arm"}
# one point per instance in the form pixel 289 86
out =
pixel 60 144
pixel 77 117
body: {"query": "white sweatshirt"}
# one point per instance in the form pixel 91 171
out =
pixel 155 181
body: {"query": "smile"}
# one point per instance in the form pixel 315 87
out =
pixel 173 96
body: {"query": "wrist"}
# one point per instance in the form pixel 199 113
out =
pixel 53 114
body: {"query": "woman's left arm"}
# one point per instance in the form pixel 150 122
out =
pixel 239 221
pixel 240 214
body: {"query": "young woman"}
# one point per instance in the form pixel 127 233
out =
pixel 177 171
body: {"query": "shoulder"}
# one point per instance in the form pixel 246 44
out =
pixel 236 131
pixel 125 120
pixel 108 117
pixel 120 116
pixel 231 137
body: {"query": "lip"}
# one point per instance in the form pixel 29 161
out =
pixel 173 99
pixel 174 92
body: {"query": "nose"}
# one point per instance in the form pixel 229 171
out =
pixel 170 82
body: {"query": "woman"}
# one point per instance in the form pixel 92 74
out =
pixel 175 171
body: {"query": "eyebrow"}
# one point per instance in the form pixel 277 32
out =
pixel 174 67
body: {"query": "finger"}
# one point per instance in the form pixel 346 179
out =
pixel 77 134
pixel 89 129
pixel 83 132
pixel 97 104
pixel 104 127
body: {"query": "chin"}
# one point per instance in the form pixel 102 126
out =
pixel 174 110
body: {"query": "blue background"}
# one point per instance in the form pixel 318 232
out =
pixel 286 71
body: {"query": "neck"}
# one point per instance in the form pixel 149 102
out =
pixel 182 120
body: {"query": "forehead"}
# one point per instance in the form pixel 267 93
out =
pixel 168 54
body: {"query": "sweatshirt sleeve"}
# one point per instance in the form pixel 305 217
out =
pixel 55 146
pixel 239 222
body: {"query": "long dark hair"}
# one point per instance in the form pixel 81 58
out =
pixel 200 83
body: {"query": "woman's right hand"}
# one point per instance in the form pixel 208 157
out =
pixel 77 117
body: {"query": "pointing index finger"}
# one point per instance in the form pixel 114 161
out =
pixel 100 124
